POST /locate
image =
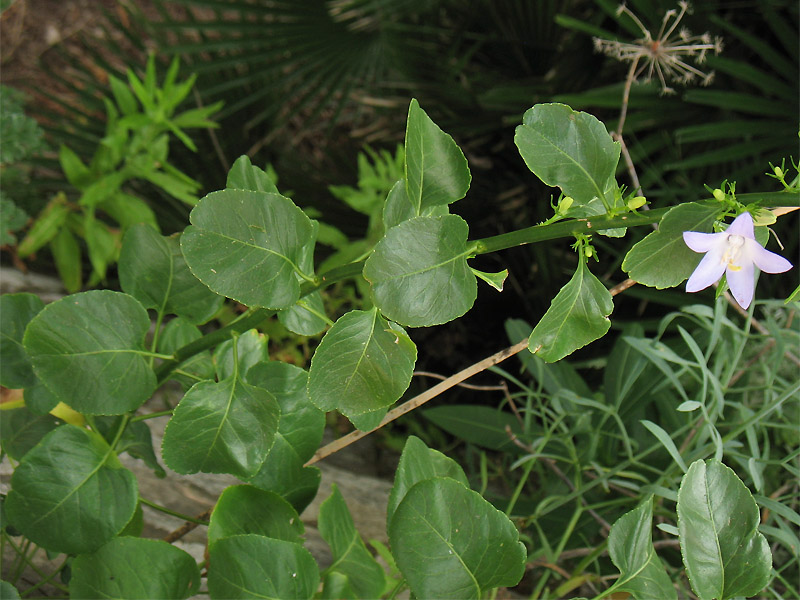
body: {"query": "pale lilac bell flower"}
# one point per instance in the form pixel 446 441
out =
pixel 732 252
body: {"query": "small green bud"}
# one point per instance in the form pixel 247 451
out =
pixel 565 203
pixel 778 172
pixel 589 251
pixel 637 202
pixel 719 195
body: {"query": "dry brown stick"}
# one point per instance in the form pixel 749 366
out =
pixel 469 386
pixel 420 399
pixel 188 526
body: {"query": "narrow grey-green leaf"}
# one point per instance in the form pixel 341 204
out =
pixel 724 553
pixel 247 246
pixel 243 509
pixel 418 463
pixel 419 273
pixel 350 556
pixel 662 259
pixel 136 568
pixel 16 311
pixel 451 543
pixel 224 427
pixel 569 149
pixel 577 315
pixel 88 348
pixel 70 493
pixel 630 545
pixel 254 566
pixel 361 367
pixel 436 169
pixel 153 270
pixel 246 176
pixel 299 434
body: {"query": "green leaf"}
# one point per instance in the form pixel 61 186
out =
pixel 666 441
pixel 451 543
pixel 418 463
pixel 123 96
pixel 16 311
pixel 21 430
pixel 350 556
pixel 225 427
pixel 136 440
pixel 569 149
pixel 12 218
pixel 39 399
pixel 153 270
pixel 630 545
pixel 46 226
pixel 299 434
pixel 88 349
pixel 480 425
pixel 436 169
pixel 662 259
pixel 246 176
pixel 724 553
pixel 577 315
pixel 419 273
pixel 130 567
pixel 254 566
pixel 70 493
pixel 243 509
pixel 8 591
pixel 496 280
pixel 101 243
pixel 361 367
pixel 75 171
pixel 67 256
pixel 178 333
pixel 247 246
pixel 303 318
pixel 398 206
pixel 128 210
pixel 251 349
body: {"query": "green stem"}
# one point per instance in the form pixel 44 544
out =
pixel 120 430
pixel 47 579
pixel 154 345
pixel 169 511
pixel 522 480
pixel 153 415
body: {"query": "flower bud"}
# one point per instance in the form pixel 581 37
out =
pixel 778 172
pixel 719 195
pixel 564 205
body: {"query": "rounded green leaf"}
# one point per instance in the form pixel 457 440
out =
pixel 8 591
pixel 451 543
pixel 724 553
pixel 224 427
pixel 153 270
pixel 245 509
pixel 299 434
pixel 246 176
pixel 662 259
pixel 630 545
pixel 130 567
pixel 577 315
pixel 254 566
pixel 569 149
pixel 89 350
pixel 21 430
pixel 419 273
pixel 70 493
pixel 361 367
pixel 350 556
pixel 247 245
pixel 436 169
pixel 16 311
pixel 418 463
pixel 251 349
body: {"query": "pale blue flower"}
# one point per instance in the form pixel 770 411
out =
pixel 732 252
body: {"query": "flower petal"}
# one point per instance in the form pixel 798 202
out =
pixel 767 261
pixel 707 272
pixel 742 225
pixel 742 283
pixel 703 242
